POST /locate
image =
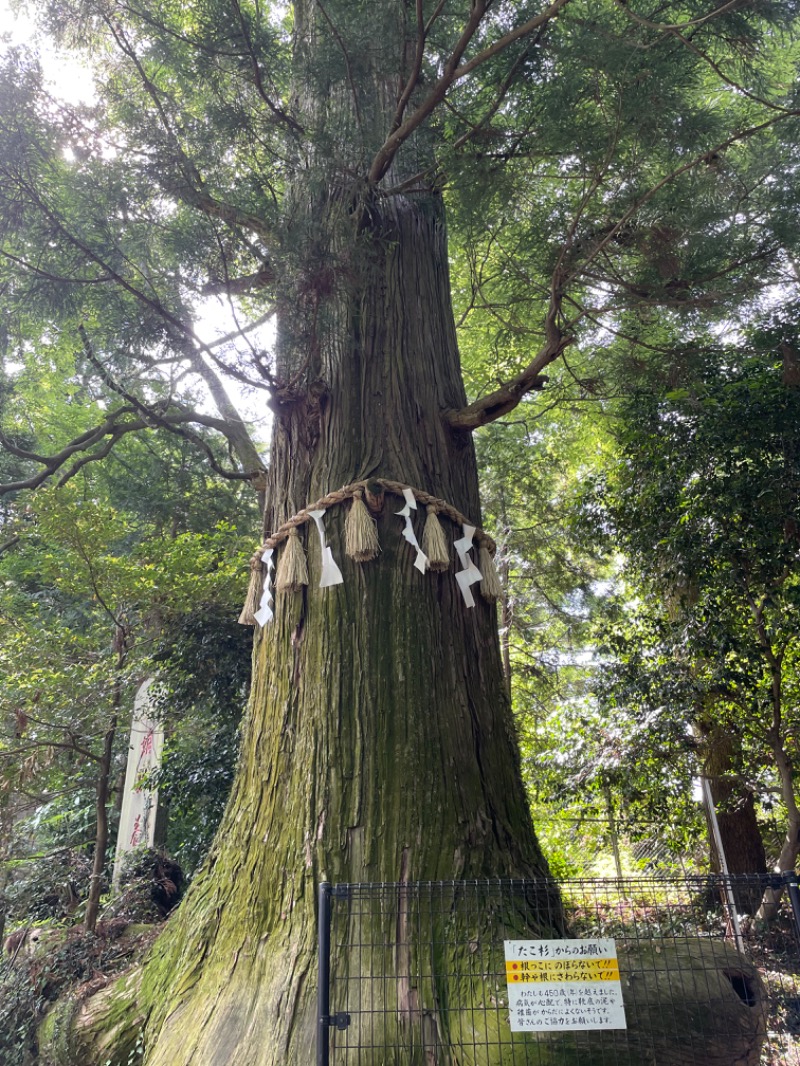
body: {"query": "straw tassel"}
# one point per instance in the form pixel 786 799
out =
pixel 360 532
pixel 254 590
pixel 292 571
pixel 434 542
pixel 490 586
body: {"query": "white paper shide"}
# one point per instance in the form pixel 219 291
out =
pixel 265 613
pixel 469 572
pixel 331 574
pixel 421 560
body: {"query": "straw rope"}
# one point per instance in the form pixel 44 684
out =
pixel 348 491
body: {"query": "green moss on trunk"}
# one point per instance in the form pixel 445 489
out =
pixel 379 742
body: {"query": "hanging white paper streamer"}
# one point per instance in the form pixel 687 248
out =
pixel 470 574
pixel 265 613
pixel 331 574
pixel 421 561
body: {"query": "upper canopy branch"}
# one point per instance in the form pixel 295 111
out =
pixel 260 279
pixel 419 55
pixel 98 442
pixel 665 27
pixel 234 216
pixel 231 427
pixel 192 189
pixel 505 398
pixel 453 71
pixel 183 337
pixel 215 51
pixel 278 112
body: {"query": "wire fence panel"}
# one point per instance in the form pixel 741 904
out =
pixel 417 974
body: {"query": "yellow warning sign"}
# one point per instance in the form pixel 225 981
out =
pixel 562 970
pixel 555 985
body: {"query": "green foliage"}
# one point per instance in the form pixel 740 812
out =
pixel 19 1007
pixel 84 569
pixel 31 984
pixel 204 666
pixel 46 887
pixel 551 577
pixel 150 887
pixel 702 636
pixel 583 181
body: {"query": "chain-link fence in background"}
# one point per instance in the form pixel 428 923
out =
pixel 416 974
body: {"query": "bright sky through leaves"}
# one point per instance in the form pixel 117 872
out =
pixel 71 81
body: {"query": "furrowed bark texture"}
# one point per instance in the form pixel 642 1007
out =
pixel 379 743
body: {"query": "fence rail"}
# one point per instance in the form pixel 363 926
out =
pixel 416 973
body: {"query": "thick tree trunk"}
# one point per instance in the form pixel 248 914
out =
pixel 379 743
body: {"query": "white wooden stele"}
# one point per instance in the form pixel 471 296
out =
pixel 137 823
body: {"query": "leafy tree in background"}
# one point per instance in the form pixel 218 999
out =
pixel 599 161
pixel 83 601
pixel 551 579
pixel 203 662
pixel 702 655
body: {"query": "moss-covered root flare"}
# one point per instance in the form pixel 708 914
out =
pixel 102 1030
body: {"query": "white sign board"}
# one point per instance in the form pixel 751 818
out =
pixel 137 821
pixel 558 985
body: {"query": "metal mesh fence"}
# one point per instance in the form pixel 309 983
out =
pixel 416 973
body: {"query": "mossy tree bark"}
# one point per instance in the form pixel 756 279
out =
pixel 379 743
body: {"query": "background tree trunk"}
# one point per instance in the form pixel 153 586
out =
pixel 738 826
pixel 103 787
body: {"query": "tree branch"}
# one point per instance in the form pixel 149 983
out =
pixel 504 399
pixel 9 544
pixel 413 78
pixel 235 334
pixel 217 53
pixel 233 427
pixel 453 73
pixel 689 24
pixel 703 157
pixel 236 433
pixel 258 80
pixel 115 430
pixel 193 192
pixel 236 286
pixel 38 745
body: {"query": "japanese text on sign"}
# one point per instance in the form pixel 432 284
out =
pixel 563 984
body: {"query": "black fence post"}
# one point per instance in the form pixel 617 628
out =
pixel 324 986
pixel 790 880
